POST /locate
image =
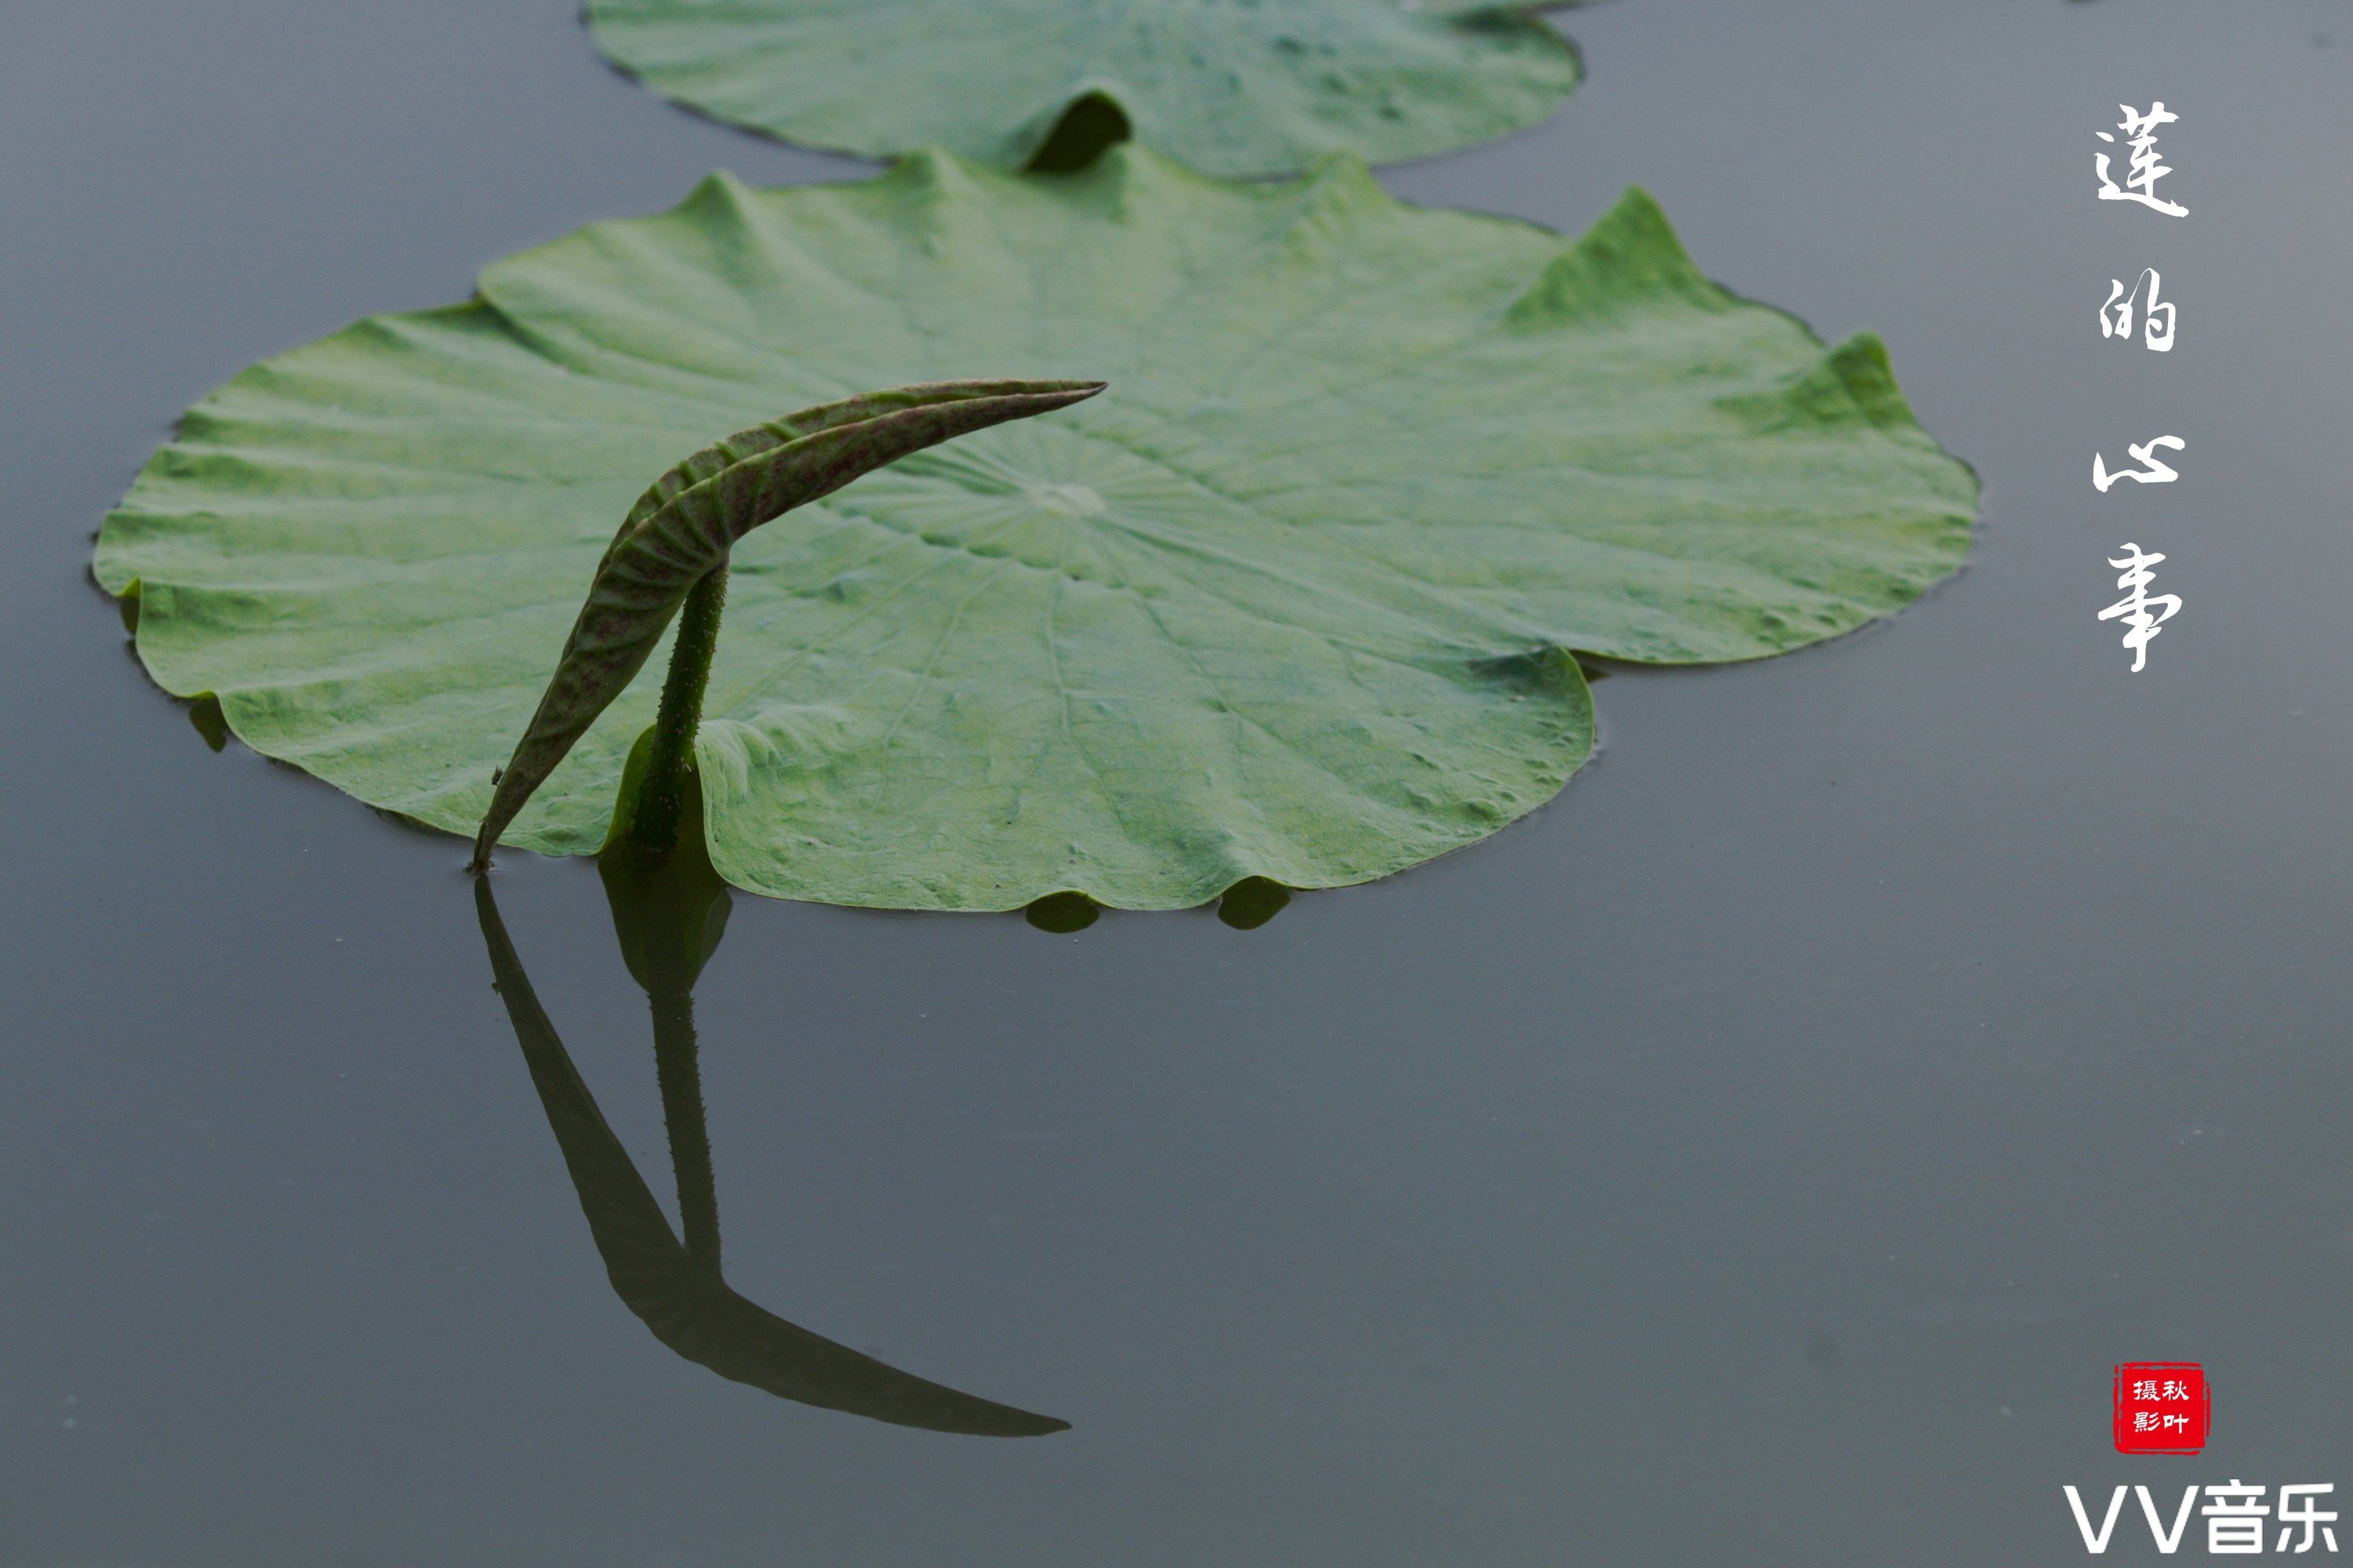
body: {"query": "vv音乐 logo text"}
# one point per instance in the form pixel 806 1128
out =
pixel 2238 1519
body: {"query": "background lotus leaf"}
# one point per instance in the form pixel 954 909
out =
pixel 1232 87
pixel 1296 598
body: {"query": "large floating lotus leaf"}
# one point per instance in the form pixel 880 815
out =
pixel 1293 598
pixel 1232 87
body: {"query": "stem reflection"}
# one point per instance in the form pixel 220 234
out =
pixel 669 911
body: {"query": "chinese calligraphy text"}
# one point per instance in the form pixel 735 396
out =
pixel 2146 168
pixel 2141 611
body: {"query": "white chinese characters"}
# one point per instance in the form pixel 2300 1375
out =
pixel 2151 471
pixel 2140 179
pixel 2153 1391
pixel 2139 610
pixel 2116 312
pixel 2235 1518
pixel 2300 1505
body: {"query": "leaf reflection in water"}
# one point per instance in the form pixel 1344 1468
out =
pixel 670 913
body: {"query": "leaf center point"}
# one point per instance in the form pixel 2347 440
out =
pixel 1070 500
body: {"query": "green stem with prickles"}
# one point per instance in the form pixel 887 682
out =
pixel 669 770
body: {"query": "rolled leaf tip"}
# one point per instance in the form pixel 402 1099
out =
pixel 683 526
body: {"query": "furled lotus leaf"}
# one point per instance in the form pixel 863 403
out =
pixel 1296 599
pixel 689 520
pixel 1231 86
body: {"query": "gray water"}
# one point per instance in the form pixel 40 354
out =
pixel 1758 1156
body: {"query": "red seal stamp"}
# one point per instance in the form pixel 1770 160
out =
pixel 2161 1407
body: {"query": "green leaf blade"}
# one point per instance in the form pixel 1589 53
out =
pixel 1289 604
pixel 1234 90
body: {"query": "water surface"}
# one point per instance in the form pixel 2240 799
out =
pixel 1760 1155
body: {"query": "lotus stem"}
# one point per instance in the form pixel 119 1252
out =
pixel 669 770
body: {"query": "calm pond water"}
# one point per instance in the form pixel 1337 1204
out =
pixel 1760 1155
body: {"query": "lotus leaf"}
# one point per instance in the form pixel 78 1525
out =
pixel 1297 599
pixel 1232 87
